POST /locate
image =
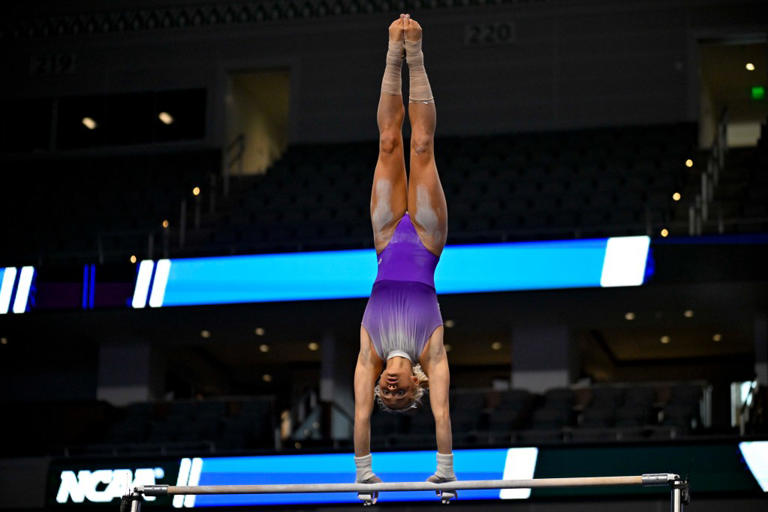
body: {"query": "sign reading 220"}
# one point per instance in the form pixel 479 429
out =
pixel 489 33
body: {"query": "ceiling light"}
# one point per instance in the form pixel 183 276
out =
pixel 496 345
pixel 676 196
pixel 449 323
pixel 664 232
pixel 263 347
pixel 689 163
pixel 3 341
pixel 665 339
pixel 717 337
pixel 629 315
pixel 165 117
pixel 165 223
pixel 259 331
pixel 89 123
pixel 448 347
pixel 196 191
pixel 133 258
pixel 266 377
pixel 313 346
pixel 205 333
pixel 750 66
pixel 688 313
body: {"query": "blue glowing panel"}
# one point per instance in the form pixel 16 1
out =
pixel 339 468
pixel 520 266
pixel 755 454
pixel 607 262
pixel 270 277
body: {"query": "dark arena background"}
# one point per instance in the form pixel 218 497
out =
pixel 187 249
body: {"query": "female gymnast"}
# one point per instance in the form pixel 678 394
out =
pixel 402 330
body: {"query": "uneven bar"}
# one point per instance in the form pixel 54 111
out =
pixel 131 502
pixel 653 479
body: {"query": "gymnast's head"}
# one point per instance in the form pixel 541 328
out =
pixel 401 386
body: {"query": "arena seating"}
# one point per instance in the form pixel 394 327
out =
pixel 595 182
pixel 609 181
pixel 222 424
pixel 617 412
pixel 599 182
pixel 64 209
pixel 95 428
pixel 743 190
pixel 480 417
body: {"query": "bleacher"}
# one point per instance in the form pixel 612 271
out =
pixel 83 209
pixel 743 191
pixel 173 427
pixel 596 182
pixel 612 181
pixel 604 413
pixel 480 417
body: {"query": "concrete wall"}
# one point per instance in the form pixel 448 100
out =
pixel 568 64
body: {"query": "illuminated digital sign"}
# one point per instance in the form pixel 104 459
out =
pixel 105 481
pixel 605 262
pixel 491 464
pixel 82 485
pixel 14 288
pixel 755 454
pixel 737 468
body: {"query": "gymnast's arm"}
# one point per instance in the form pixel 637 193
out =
pixel 436 367
pixel 366 371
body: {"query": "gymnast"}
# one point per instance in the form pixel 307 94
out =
pixel 401 336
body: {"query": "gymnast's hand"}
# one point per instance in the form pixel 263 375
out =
pixel 437 479
pixel 369 498
pixel 445 495
pixel 443 474
pixel 365 475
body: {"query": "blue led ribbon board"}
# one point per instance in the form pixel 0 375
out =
pixel 490 464
pixel 604 262
pixel 755 454
pixel 14 289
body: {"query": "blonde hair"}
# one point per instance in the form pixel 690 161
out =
pixel 421 387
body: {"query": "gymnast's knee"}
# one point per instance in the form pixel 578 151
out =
pixel 388 142
pixel 422 143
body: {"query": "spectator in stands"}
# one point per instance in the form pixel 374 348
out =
pixel 402 330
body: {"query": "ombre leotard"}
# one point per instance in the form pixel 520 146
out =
pixel 402 312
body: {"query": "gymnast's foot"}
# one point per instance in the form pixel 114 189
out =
pixel 397 30
pixel 419 90
pixel 391 83
pixel 412 30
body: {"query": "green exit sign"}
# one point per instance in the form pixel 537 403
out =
pixel 758 92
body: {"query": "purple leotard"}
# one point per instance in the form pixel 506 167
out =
pixel 402 312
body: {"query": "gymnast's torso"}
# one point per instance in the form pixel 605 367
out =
pixel 402 311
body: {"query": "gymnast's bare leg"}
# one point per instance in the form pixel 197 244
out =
pixel 388 205
pixel 429 212
pixel 388 196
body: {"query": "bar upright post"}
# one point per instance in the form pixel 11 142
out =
pixel 677 498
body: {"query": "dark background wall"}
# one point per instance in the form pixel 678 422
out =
pixel 566 63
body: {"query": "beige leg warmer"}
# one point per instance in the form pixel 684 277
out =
pixel 391 83
pixel 419 89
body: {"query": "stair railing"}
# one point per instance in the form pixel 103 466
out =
pixel 698 212
pixel 233 160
